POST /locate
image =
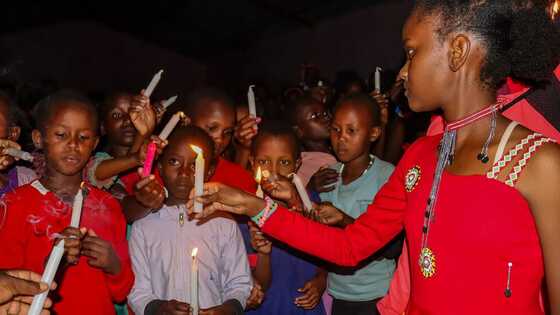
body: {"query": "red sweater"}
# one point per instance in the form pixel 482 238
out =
pixel 31 219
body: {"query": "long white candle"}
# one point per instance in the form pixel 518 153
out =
pixel 194 281
pixel 168 102
pixel 251 101
pixel 155 80
pixel 26 156
pixel 56 255
pixel 77 207
pixel 378 79
pixel 258 178
pixel 171 124
pixel 48 277
pixel 302 192
pixel 198 177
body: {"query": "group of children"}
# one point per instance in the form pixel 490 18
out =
pixel 131 252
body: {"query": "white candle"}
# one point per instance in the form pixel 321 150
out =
pixel 194 282
pixel 258 177
pixel 77 207
pixel 56 255
pixel 168 102
pixel 378 79
pixel 22 155
pixel 171 124
pixel 48 277
pixel 198 177
pixel 302 192
pixel 155 80
pixel 251 101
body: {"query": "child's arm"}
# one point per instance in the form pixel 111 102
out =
pixel 312 291
pixel 105 168
pixel 148 196
pixel 236 274
pixel 245 131
pixel 263 246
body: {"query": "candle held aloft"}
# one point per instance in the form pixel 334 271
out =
pixel 151 87
pixel 194 281
pixel 168 102
pixel 258 178
pixel 198 177
pixel 22 155
pixel 252 101
pixel 302 192
pixel 171 124
pixel 378 79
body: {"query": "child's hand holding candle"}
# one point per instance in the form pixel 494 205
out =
pixel 142 115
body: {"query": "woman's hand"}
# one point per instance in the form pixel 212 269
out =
pixel 218 196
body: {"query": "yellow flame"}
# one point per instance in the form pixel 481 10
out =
pixel 554 9
pixel 258 176
pixel 196 149
pixel 194 252
pixel 82 185
pixel 181 115
pixel 265 174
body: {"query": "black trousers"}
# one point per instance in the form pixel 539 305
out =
pixel 341 307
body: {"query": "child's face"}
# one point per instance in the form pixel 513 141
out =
pixel 352 132
pixel 218 120
pixel 69 138
pixel 275 154
pixel 117 125
pixel 177 167
pixel 313 121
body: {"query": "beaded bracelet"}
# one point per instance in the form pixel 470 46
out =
pixel 265 213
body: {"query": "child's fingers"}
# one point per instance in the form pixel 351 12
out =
pixel 144 182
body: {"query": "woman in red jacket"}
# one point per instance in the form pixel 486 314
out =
pixel 480 202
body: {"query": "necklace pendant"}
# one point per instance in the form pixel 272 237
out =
pixel 181 219
pixel 427 262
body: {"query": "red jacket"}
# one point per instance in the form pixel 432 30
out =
pixel 31 219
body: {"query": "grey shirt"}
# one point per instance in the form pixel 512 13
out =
pixel 160 249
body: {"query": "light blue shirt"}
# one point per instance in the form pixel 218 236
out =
pixel 372 280
pixel 160 249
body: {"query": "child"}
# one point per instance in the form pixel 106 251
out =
pixel 295 285
pixel 96 270
pixel 127 122
pixel 214 112
pixel 355 126
pixel 161 243
pixel 11 176
pixel 310 120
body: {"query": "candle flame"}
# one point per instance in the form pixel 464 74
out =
pixel 265 174
pixel 258 176
pixel 194 252
pixel 82 185
pixel 554 9
pixel 196 149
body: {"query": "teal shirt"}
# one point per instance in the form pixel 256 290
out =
pixel 372 280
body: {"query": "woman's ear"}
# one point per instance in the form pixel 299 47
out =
pixel 37 139
pixel 459 52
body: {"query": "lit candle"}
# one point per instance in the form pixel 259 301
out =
pixel 149 160
pixel 198 177
pixel 378 79
pixel 251 101
pixel 56 255
pixel 155 80
pixel 168 102
pixel 77 207
pixel 258 177
pixel 302 193
pixel 194 282
pixel 171 124
pixel 22 155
